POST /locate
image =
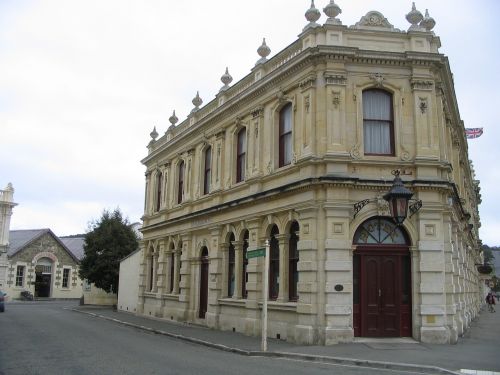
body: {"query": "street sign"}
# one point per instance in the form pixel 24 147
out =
pixel 256 253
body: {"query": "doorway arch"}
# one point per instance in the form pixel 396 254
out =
pixel 203 283
pixel 381 280
pixel 43 277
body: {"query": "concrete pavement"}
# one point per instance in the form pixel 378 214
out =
pixel 477 350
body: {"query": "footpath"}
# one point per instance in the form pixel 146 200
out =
pixel 477 352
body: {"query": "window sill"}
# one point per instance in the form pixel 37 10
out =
pixel 172 297
pixel 280 306
pixel 228 301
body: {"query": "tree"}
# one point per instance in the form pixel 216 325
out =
pixel 488 254
pixel 108 240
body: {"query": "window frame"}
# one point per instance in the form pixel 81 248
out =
pixel 389 121
pixel 159 178
pixel 231 267
pixel 180 182
pixel 285 136
pixel 207 175
pixel 66 278
pixel 274 264
pixel 20 275
pixel 244 275
pixel 241 151
pixel 293 260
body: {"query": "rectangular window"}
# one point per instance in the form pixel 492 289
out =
pixel 241 151
pixel 65 279
pixel 285 136
pixel 172 270
pixel 377 123
pixel 20 276
pixel 180 188
pixel 230 273
pixel 208 171
pixel 159 180
pixel 87 286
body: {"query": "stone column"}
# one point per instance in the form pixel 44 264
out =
pixel 283 278
pixel 307 288
pixel 338 266
pixel 238 268
pixel 142 279
pixel 177 269
pixel 255 269
pixel 161 275
pixel 185 286
pixel 432 272
pixel 215 279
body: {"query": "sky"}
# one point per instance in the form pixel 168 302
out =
pixel 83 83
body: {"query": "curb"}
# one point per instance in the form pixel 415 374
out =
pixel 422 369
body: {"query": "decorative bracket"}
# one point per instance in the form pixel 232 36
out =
pixel 359 205
pixel 414 207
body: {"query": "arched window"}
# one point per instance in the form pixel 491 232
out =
pixel 180 190
pixel 230 267
pixel 241 151
pixel 293 260
pixel 208 170
pixel 244 279
pixel 172 268
pixel 285 136
pixel 274 265
pixel 151 273
pixel 159 178
pixel 378 125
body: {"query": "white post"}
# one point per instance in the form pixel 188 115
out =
pixel 265 293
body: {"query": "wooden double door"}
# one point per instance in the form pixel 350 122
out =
pixel 382 292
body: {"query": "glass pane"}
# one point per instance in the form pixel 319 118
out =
pixel 286 119
pixel 376 105
pixel 379 230
pixel 377 137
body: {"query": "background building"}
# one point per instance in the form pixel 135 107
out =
pixel 284 155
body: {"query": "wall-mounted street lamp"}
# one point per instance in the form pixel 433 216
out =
pixel 399 199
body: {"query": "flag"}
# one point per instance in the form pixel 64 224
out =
pixel 473 132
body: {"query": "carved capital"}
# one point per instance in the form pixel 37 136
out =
pixel 424 85
pixel 308 82
pixel 257 112
pixel 335 79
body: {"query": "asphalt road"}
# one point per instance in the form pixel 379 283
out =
pixel 44 338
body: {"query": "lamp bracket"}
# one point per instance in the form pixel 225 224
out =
pixel 415 205
pixel 359 205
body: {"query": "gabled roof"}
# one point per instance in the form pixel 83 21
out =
pixel 19 239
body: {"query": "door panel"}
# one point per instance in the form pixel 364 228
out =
pixel 380 307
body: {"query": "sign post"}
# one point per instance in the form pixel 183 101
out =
pixel 265 293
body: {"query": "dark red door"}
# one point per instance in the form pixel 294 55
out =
pixel 381 291
pixel 203 284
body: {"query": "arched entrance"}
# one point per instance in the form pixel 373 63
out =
pixel 203 283
pixel 381 280
pixel 43 280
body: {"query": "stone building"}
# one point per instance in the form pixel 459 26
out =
pixel 43 264
pixel 284 155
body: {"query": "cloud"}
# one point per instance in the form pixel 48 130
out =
pixel 82 83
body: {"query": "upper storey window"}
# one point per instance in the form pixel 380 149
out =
pixel 285 136
pixel 159 178
pixel 180 187
pixel 241 152
pixel 207 171
pixel 378 125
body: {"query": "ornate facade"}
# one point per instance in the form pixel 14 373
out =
pixel 284 155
